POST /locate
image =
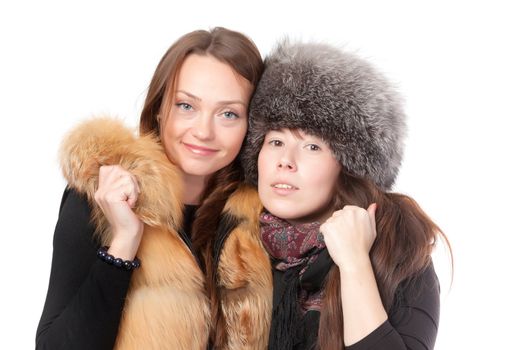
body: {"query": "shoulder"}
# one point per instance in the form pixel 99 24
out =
pixel 74 229
pixel 423 282
pixel 419 294
pixel 74 206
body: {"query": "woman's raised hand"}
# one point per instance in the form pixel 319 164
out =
pixel 117 193
pixel 349 234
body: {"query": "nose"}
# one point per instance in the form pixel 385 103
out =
pixel 286 162
pixel 203 129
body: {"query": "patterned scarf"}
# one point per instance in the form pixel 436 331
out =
pixel 293 246
pixel 301 263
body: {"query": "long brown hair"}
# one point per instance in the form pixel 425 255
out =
pixel 230 47
pixel 241 54
pixel 405 240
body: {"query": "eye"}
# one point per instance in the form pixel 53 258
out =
pixel 230 115
pixel 184 106
pixel 275 143
pixel 313 147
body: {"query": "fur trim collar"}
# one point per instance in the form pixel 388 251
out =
pixel 106 141
pixel 166 306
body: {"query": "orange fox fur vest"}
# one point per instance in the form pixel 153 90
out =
pixel 167 305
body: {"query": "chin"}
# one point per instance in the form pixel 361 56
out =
pixel 283 212
pixel 200 167
pixel 195 170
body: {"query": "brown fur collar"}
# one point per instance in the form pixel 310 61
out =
pixel 106 141
pixel 167 307
pixel 245 276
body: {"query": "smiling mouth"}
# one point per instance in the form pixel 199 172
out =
pixel 199 149
pixel 284 186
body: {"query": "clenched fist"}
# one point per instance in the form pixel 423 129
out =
pixel 349 234
pixel 117 193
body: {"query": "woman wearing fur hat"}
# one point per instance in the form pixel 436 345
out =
pixel 179 257
pixel 351 260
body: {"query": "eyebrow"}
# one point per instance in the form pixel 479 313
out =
pixel 225 102
pixel 295 132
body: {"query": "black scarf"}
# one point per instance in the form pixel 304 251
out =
pixel 300 265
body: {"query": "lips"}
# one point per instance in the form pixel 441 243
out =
pixel 283 188
pixel 199 150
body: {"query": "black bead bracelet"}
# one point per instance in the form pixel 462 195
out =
pixel 118 262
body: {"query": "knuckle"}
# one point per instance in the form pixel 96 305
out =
pixel 115 169
pixel 105 168
pixel 362 212
pixel 107 197
pixel 129 185
pixel 133 179
pixel 132 190
pixel 119 168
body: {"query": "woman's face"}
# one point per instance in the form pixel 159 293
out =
pixel 297 175
pixel 207 121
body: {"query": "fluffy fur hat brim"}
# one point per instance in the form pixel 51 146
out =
pixel 335 96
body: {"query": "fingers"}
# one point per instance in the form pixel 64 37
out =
pixel 352 213
pixel 136 191
pixel 126 187
pixel 116 184
pixel 361 212
pixel 372 208
pixel 347 211
pixel 353 209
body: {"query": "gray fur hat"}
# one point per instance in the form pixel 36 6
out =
pixel 333 95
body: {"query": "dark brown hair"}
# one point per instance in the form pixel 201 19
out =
pixel 240 53
pixel 405 240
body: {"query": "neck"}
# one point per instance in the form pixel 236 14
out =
pixel 194 185
pixel 305 220
pixel 319 216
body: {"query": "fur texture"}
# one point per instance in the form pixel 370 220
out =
pixel 167 306
pixel 333 95
pixel 106 141
pixel 245 276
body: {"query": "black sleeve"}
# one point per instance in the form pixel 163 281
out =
pixel 86 296
pixel 413 321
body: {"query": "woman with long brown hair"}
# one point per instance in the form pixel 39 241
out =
pixel 156 245
pixel 351 260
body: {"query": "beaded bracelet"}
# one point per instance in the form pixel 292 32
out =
pixel 118 262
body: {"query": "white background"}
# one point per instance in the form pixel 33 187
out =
pixel 63 61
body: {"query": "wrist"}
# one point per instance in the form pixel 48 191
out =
pixel 132 232
pixel 125 249
pixel 104 255
pixel 356 265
